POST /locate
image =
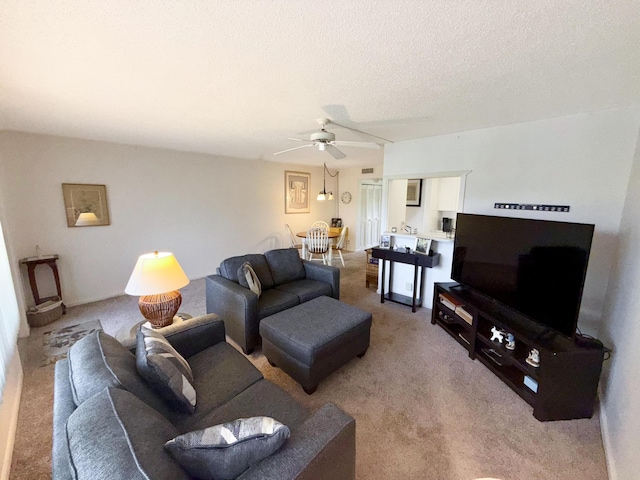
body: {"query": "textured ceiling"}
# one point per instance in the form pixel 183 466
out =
pixel 236 78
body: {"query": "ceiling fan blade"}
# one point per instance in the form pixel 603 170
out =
pixel 297 139
pixel 335 153
pixel 360 131
pixel 294 148
pixel 346 143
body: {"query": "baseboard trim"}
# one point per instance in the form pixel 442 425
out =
pixel 604 429
pixel 9 410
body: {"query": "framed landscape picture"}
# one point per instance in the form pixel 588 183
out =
pixel 296 192
pixel 87 199
pixel 414 192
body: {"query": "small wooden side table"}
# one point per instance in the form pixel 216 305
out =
pixel 32 263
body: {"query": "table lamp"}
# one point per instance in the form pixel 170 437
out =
pixel 156 278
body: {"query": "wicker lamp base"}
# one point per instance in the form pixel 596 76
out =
pixel 161 308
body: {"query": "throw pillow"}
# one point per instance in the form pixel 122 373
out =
pixel 248 278
pixel 226 451
pixel 165 369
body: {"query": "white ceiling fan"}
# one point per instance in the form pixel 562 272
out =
pixel 326 141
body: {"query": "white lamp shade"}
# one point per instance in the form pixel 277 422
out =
pixel 155 273
pixel 85 219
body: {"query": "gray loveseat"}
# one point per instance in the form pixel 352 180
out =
pixel 286 281
pixel 109 424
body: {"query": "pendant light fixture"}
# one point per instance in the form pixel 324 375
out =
pixel 324 195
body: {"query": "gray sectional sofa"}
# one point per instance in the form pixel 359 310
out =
pixel 110 424
pixel 286 281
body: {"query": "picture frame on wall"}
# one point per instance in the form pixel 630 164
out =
pixel 297 192
pixel 423 245
pixel 414 192
pixel 85 204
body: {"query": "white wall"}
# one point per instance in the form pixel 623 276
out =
pixel 620 398
pixel 582 160
pixel 200 207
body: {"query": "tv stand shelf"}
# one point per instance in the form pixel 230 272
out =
pixel 562 387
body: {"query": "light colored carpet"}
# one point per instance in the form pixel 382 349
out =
pixel 423 409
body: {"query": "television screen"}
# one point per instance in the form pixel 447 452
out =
pixel 536 267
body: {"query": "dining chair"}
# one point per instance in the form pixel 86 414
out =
pixel 292 240
pixel 340 244
pixel 320 224
pixel 318 243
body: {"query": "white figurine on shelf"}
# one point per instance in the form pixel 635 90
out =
pixel 534 358
pixel 511 342
pixel 497 334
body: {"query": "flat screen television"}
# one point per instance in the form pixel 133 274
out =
pixel 535 267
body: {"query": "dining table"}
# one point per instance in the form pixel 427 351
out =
pixel 331 233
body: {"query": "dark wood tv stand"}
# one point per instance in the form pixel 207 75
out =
pixel 567 377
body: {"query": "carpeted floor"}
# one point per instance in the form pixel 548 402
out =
pixel 423 409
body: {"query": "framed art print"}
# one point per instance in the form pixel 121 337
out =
pixel 296 192
pixel 414 192
pixel 87 199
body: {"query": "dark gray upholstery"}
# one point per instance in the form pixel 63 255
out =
pixel 295 281
pixel 98 361
pixel 219 375
pixel 263 398
pixel 229 268
pixel 305 290
pixel 285 265
pixel 63 406
pixel 322 448
pixel 115 435
pixel 320 443
pixel 314 339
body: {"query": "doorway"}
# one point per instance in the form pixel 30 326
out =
pixel 369 213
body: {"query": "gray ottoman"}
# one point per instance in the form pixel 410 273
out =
pixel 314 339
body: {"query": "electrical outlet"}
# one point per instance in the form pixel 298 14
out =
pixel 409 286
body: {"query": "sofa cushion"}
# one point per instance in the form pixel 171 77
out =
pixel 285 264
pixel 229 268
pixel 115 435
pixel 165 369
pixel 248 279
pixel 274 300
pixel 219 373
pixel 306 289
pixel 98 361
pixel 262 399
pixel 223 452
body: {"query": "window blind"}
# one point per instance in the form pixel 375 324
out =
pixel 9 314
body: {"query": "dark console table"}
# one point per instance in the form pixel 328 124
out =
pixel 32 263
pixel 419 262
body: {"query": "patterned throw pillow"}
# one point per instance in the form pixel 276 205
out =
pixel 248 279
pixel 165 369
pixel 226 451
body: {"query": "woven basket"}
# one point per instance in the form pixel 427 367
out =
pixel 46 315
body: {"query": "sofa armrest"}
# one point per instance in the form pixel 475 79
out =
pixel 63 407
pixel 322 448
pixel 237 306
pixel 324 273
